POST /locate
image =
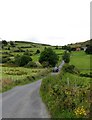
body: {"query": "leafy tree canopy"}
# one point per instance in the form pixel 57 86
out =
pixel 89 50
pixel 48 57
pixel 66 57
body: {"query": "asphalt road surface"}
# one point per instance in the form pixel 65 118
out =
pixel 24 102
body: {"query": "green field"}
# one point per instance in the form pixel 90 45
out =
pixel 81 60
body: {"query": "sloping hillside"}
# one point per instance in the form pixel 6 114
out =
pixel 81 44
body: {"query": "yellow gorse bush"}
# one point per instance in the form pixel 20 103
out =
pixel 80 111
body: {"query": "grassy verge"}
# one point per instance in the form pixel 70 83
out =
pixel 66 95
pixel 14 76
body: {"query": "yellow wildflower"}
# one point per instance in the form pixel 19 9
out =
pixel 80 111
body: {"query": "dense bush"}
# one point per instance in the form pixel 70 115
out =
pixel 68 48
pixel 86 75
pixel 49 57
pixel 4 42
pixel 37 51
pixel 56 47
pixel 73 49
pixel 5 53
pixel 71 69
pixel 22 60
pixel 5 59
pixel 12 44
pixel 89 50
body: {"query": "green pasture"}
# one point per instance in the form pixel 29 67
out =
pixel 81 60
pixel 58 51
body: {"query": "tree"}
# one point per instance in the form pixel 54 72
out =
pixel 4 42
pixel 56 47
pixel 48 58
pixel 67 48
pixel 66 57
pixel 12 43
pixel 37 51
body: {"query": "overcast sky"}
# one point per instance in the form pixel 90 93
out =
pixel 56 22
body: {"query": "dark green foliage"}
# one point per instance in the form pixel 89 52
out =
pixel 68 48
pixel 4 42
pixel 71 69
pixel 56 47
pixel 22 60
pixel 66 57
pixel 5 59
pixel 64 47
pixel 12 44
pixel 82 48
pixel 86 75
pixel 38 51
pixel 30 78
pixel 89 50
pixel 73 49
pixel 49 57
pixel 8 48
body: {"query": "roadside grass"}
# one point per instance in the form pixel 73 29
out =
pixel 66 95
pixel 14 76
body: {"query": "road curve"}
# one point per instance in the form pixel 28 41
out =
pixel 24 102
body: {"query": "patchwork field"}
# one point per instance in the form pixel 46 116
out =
pixel 12 76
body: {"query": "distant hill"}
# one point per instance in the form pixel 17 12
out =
pixel 32 43
pixel 81 44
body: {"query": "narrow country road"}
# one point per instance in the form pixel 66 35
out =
pixel 61 65
pixel 24 102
